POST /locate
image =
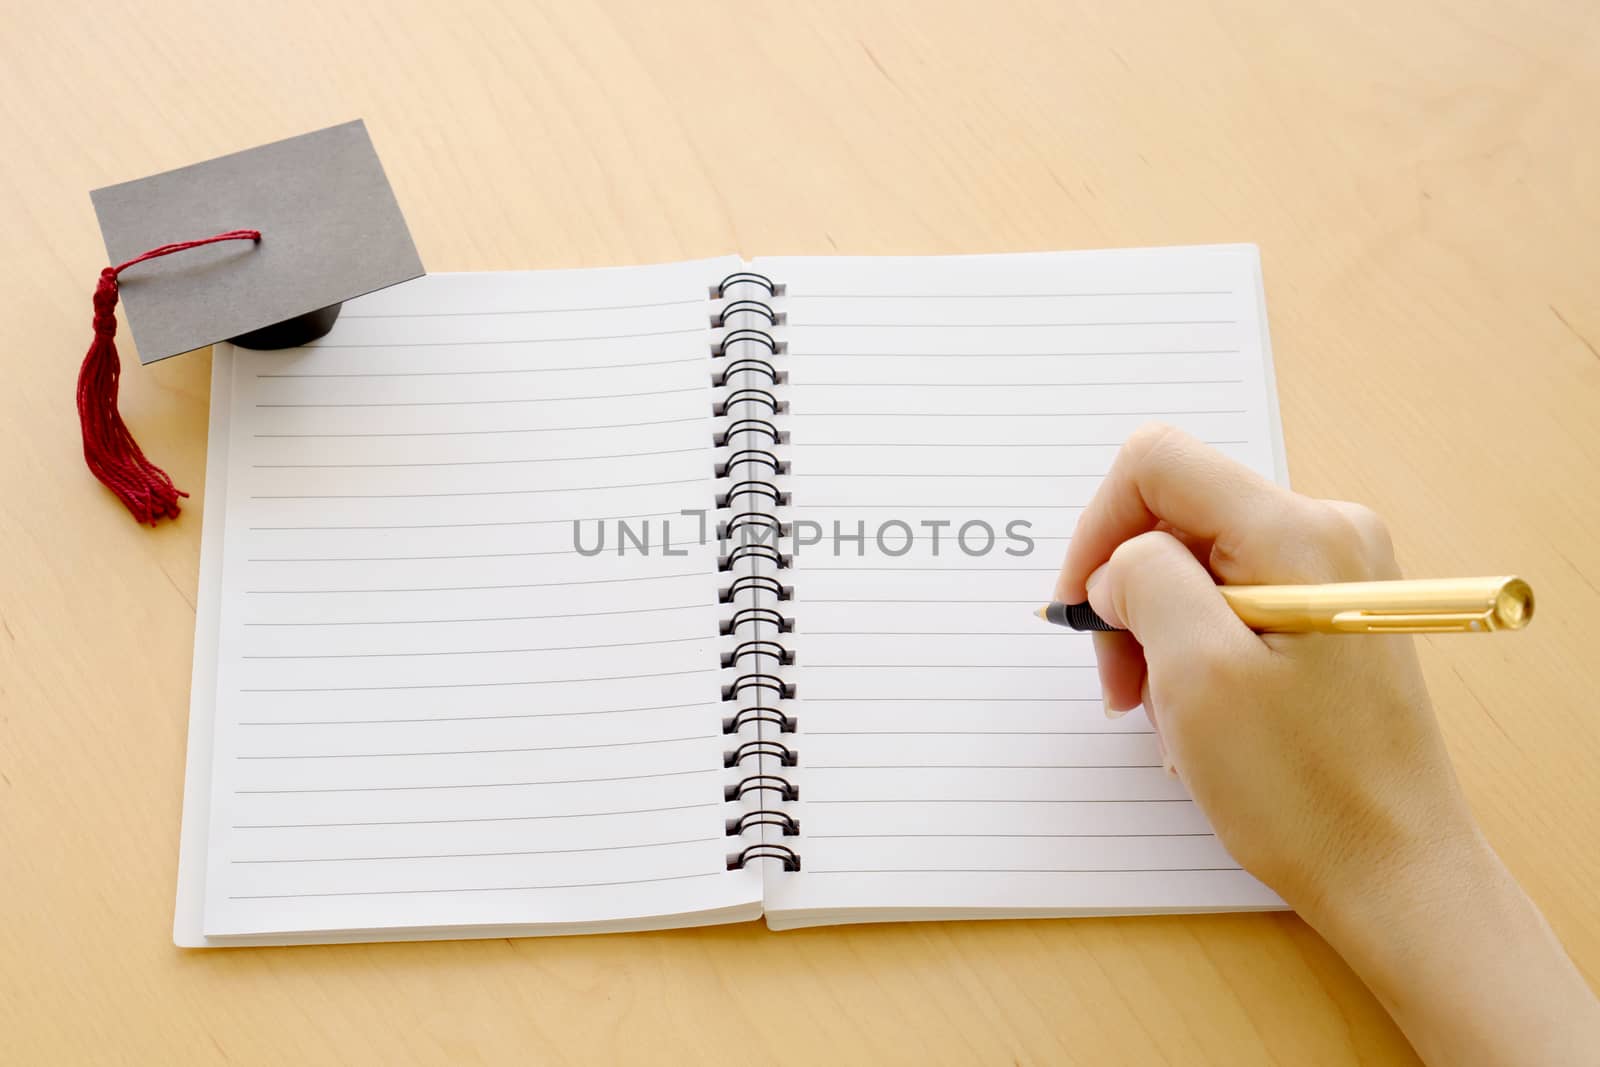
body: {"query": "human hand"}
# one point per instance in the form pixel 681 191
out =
pixel 1316 757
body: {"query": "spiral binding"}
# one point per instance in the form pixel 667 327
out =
pixel 748 377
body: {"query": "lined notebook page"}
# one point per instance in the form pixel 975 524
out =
pixel 431 711
pixel 955 758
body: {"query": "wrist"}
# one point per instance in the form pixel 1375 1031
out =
pixel 1386 862
pixel 1460 957
pixel 1387 916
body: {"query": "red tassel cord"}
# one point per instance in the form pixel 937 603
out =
pixel 109 449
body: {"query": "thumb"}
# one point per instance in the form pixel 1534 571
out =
pixel 1153 586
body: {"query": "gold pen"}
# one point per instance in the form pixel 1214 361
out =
pixel 1425 606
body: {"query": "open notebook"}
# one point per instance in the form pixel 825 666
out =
pixel 495 638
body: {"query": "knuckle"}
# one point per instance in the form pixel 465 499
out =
pixel 1352 539
pixel 1149 434
pixel 1329 528
pixel 1372 530
pixel 1301 539
pixel 1335 539
pixel 1150 440
pixel 1369 522
pixel 1142 550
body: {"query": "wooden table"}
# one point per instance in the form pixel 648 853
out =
pixel 1423 178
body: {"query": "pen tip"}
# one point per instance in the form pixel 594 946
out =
pixel 1041 613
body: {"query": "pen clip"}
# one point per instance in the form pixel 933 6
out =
pixel 1400 622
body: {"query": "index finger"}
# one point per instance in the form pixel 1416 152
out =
pixel 1161 474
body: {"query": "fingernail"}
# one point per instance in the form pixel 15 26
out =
pixel 1111 712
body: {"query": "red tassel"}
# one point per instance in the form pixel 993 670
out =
pixel 108 448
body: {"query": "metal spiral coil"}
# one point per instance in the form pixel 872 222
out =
pixel 748 377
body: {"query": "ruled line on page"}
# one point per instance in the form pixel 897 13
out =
pixel 801 506
pixel 474 462
pixel 464 719
pixel 481 855
pixel 1053 475
pixel 494 618
pixel 476 819
pixel 952 537
pixel 475 889
pixel 986 836
pixel 475 525
pixel 409 559
pixel 954 700
pixel 914 384
pixel 1002 800
pixel 486 492
pixel 1009 325
pixel 979 733
pixel 1018 870
pixel 983 766
pixel 465 555
pixel 1016 414
pixel 510 340
pixel 1055 633
pixel 1029 355
pixel 912 600
pixel 952 666
pixel 938 570
pixel 498 400
pixel 696 638
pixel 475 373
pixel 478 685
pixel 1031 445
pixel 481 751
pixel 475 785
pixel 1004 296
pixel 467 588
pixel 483 433
pixel 518 311
pixel 468 719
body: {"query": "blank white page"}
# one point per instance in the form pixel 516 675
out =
pixel 432 712
pixel 955 759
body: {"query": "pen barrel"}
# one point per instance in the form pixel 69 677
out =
pixel 1439 605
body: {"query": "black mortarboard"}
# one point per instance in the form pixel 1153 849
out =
pixel 272 240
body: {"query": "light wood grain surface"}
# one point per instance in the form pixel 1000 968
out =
pixel 1423 178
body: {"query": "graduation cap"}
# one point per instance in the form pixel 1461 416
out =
pixel 260 247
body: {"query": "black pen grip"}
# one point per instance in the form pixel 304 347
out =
pixel 1079 617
